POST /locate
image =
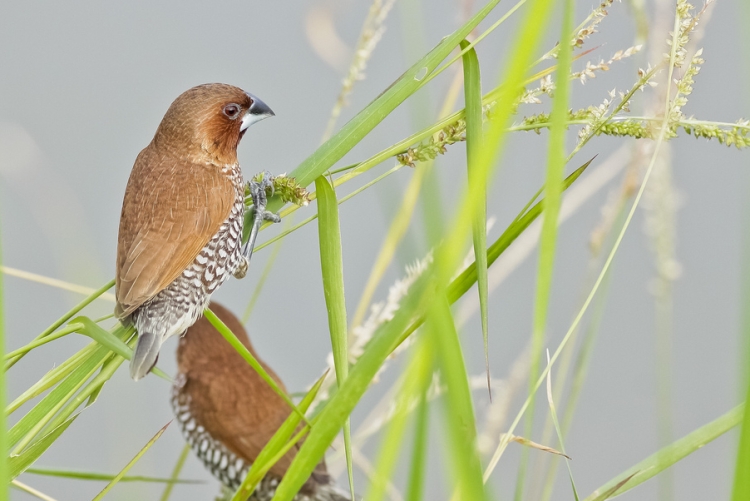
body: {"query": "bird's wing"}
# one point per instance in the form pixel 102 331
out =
pixel 170 212
pixel 244 421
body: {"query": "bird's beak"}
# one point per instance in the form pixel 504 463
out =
pixel 257 112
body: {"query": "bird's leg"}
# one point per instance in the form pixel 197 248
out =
pixel 260 199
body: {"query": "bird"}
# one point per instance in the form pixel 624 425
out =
pixel 182 216
pixel 227 412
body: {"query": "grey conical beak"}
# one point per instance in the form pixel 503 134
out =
pixel 257 112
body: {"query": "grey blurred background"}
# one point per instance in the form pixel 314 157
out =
pixel 84 86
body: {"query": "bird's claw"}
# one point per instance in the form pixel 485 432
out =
pixel 258 193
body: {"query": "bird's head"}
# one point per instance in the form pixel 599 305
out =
pixel 206 123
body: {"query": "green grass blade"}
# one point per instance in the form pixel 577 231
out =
pixel 552 199
pixel 95 476
pixel 103 337
pixel 474 145
pixel 132 462
pixel 415 382
pixel 53 377
pixel 351 133
pixel 32 423
pixel 249 358
pixel 332 267
pixel 463 458
pixel 91 391
pixel 175 472
pixel 330 420
pixel 415 491
pixel 276 447
pixel 358 127
pixel 17 464
pixel 666 457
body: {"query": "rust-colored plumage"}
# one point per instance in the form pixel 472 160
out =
pixel 182 215
pixel 228 413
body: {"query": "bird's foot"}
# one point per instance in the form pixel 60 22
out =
pixel 259 194
pixel 241 270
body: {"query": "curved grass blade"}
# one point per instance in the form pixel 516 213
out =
pixel 668 456
pixel 132 462
pixel 332 268
pixel 478 185
pixel 249 358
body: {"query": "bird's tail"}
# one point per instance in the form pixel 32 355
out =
pixel 145 355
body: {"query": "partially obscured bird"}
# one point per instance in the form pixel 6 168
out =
pixel 228 413
pixel 182 216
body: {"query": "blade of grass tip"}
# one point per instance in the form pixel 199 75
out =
pixel 474 145
pixel 4 479
pixel 553 413
pixel 103 337
pixel 416 380
pixel 98 477
pixel 524 46
pixel 332 268
pixel 552 199
pixel 30 490
pixel 331 418
pixel 463 458
pixel 175 472
pixel 132 462
pixel 276 447
pixel 415 491
pixel 249 358
pixel 669 455
pixel 70 314
pixel 17 464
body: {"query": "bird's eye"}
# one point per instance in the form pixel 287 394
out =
pixel 232 111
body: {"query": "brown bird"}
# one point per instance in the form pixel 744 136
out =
pixel 228 413
pixel 182 216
